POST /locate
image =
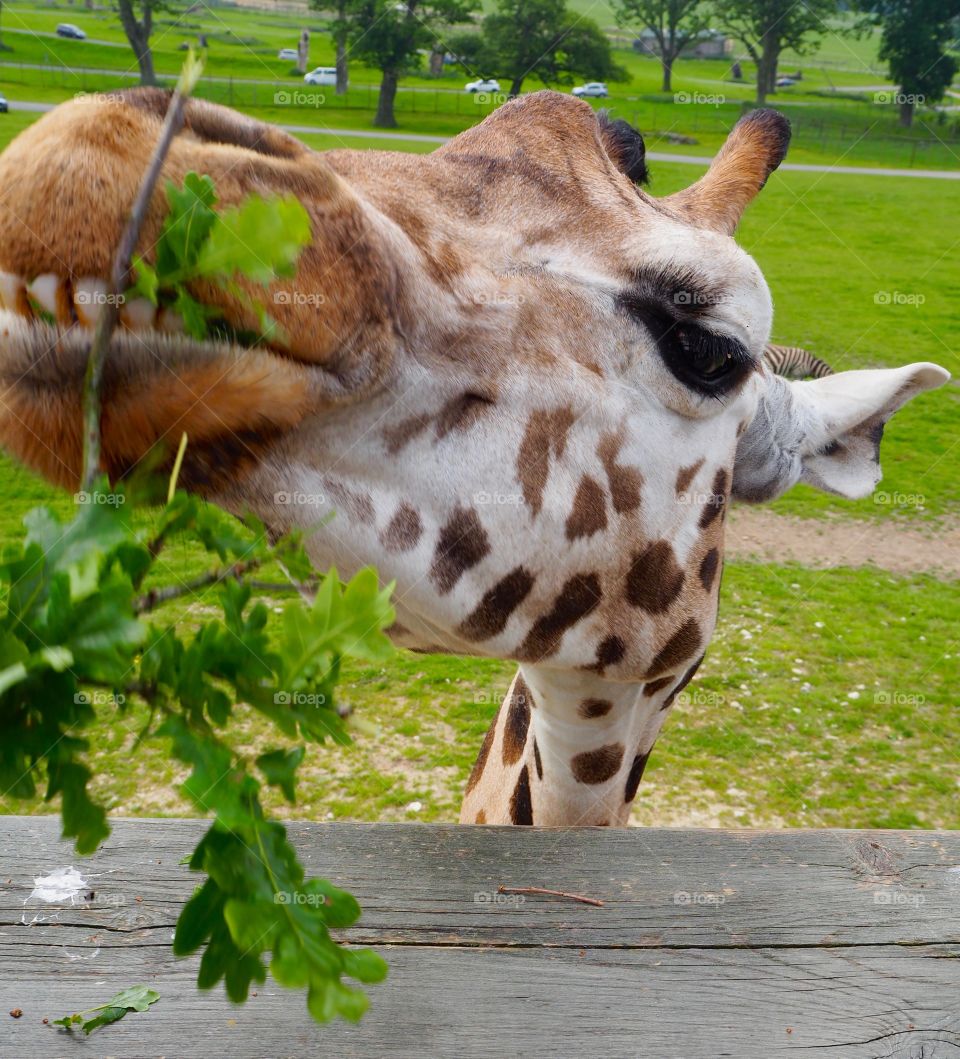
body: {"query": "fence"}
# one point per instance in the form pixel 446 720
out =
pixel 305 104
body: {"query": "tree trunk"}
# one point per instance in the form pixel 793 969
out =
pixel 906 114
pixel 515 85
pixel 138 34
pixel 666 62
pixel 384 118
pixel 767 71
pixel 303 51
pixel 343 76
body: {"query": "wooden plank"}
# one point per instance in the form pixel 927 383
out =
pixel 439 883
pixel 844 941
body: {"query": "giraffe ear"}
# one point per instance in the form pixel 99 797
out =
pixel 825 432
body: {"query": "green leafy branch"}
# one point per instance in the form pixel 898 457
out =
pixel 83 637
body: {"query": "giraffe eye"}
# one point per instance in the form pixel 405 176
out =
pixel 704 360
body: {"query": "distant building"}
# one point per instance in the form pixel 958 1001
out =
pixel 709 44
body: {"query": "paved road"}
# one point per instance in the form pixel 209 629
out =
pixel 654 156
pixel 86 40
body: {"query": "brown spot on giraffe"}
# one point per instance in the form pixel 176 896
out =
pixel 480 763
pixel 597 766
pixel 463 542
pixel 589 514
pixel 578 597
pixel 490 616
pixel 686 475
pixel 517 723
pixel 683 682
pixel 655 579
pixel 634 776
pixel 397 437
pixel 461 413
pixel 625 482
pixel 681 645
pixel 545 437
pixel 652 687
pixel 357 504
pixel 718 499
pixel 403 531
pixel 591 708
pixel 521 804
pixel 536 759
pixel 708 568
pixel 481 817
pixel 610 651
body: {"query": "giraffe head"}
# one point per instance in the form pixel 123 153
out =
pixel 520 385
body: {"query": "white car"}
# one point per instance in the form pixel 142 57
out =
pixel 595 89
pixel 70 31
pixel 288 53
pixel 489 84
pixel 323 75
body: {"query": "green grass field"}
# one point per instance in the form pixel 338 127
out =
pixel 829 698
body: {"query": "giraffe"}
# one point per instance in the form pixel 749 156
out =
pixel 521 386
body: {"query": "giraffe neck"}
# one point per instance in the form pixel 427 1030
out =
pixel 567 749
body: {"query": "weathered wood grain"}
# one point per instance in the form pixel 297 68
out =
pixel 710 943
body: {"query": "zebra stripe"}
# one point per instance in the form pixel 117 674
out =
pixel 795 363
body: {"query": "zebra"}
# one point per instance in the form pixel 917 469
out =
pixel 794 363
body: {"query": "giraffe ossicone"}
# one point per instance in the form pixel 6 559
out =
pixel 515 382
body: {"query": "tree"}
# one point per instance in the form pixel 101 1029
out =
pixel 768 27
pixel 138 30
pixel 914 40
pixel 541 38
pixel 674 24
pixel 339 31
pixel 390 35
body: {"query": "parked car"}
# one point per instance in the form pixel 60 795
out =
pixel 4 105
pixel 785 82
pixel 288 53
pixel 72 32
pixel 594 89
pixel 323 75
pixel 485 84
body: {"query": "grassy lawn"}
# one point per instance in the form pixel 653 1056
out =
pixel 827 700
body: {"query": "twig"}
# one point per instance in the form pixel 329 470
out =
pixel 119 282
pixel 550 893
pixel 152 599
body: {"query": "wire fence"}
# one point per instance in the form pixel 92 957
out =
pixel 661 121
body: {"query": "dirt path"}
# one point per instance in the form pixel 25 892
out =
pixel 754 532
